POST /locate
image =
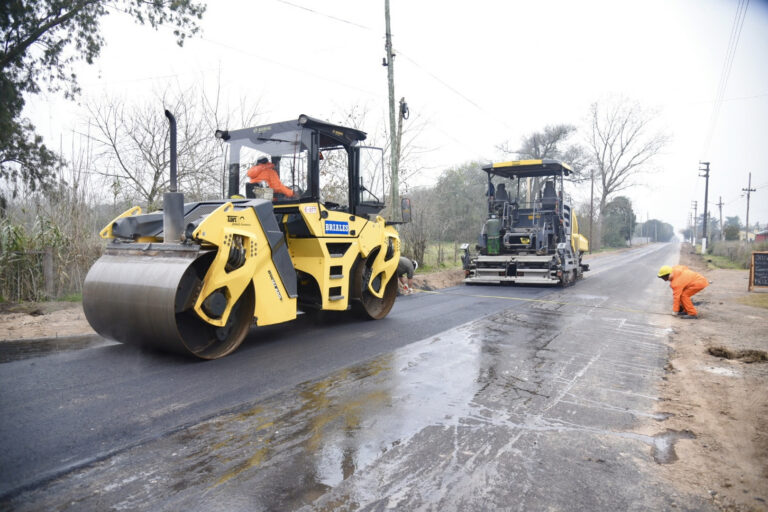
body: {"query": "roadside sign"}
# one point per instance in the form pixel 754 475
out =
pixel 758 270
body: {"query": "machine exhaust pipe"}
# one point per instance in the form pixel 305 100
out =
pixel 173 201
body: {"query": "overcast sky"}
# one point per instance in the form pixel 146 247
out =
pixel 475 75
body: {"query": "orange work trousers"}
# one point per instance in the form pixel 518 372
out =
pixel 689 291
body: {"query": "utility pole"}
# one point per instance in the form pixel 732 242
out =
pixel 720 206
pixel 690 224
pixel 694 205
pixel 748 190
pixel 394 150
pixel 591 206
pixel 706 199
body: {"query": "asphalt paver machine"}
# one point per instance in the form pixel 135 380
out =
pixel 531 234
pixel 194 277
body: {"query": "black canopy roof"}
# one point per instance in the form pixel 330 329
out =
pixel 280 136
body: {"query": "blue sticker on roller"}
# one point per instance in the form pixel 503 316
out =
pixel 333 227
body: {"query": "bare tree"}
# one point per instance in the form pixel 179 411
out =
pixel 623 144
pixel 134 144
pixel 134 148
pixel 415 234
pixel 554 141
pixel 543 144
pixel 378 135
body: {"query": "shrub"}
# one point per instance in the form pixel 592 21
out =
pixel 737 251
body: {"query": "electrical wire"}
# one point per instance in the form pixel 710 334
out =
pixel 342 20
pixel 454 90
pixel 412 61
pixel 733 43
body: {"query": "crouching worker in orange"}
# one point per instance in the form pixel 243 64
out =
pixel 264 170
pixel 685 283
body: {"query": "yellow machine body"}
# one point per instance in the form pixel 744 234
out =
pixel 222 229
pixel 578 241
pixel 136 293
pixel 330 258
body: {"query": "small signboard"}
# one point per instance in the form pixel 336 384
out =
pixel 758 270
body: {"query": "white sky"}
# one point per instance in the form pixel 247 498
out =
pixel 477 75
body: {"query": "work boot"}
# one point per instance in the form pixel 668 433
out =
pixel 690 317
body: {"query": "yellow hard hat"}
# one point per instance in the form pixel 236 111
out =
pixel 664 271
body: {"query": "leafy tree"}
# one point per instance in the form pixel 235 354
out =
pixel 713 227
pixel 657 231
pixel 452 210
pixel 619 220
pixel 42 40
pixel 731 232
pixel 460 202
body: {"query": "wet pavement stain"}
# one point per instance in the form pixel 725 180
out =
pixel 662 444
pixel 496 414
pixel 18 350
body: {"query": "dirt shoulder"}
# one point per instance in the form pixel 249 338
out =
pixel 716 387
pixel 42 320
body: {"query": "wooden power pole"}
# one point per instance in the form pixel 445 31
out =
pixel 394 150
pixel 720 207
pixel 748 190
pixel 694 205
pixel 704 239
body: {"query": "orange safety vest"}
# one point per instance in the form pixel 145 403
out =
pixel 682 277
pixel 266 172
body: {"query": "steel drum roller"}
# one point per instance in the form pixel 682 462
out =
pixel 147 299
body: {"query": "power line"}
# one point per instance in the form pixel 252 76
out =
pixel 293 68
pixel 733 43
pixel 342 20
pixel 735 98
pixel 454 90
pixel 418 66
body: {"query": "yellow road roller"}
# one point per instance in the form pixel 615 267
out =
pixel 194 277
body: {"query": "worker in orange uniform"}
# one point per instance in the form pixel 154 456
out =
pixel 264 170
pixel 685 283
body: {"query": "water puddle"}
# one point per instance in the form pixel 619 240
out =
pixel 662 444
pixel 726 372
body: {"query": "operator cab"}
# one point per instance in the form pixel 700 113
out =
pixel 526 199
pixel 319 161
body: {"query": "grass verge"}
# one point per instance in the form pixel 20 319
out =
pixel 715 261
pixel 755 299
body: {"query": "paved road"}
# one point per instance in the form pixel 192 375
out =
pixel 480 397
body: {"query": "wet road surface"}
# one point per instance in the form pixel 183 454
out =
pixel 535 405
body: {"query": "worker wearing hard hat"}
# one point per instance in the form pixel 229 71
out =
pixel 685 283
pixel 264 170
